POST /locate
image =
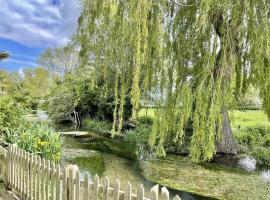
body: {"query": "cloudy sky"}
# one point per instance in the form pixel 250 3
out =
pixel 28 27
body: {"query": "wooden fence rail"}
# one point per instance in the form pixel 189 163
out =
pixel 34 178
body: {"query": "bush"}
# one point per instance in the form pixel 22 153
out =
pixel 10 113
pixel 138 139
pixel 39 138
pixel 145 120
pixel 262 155
pixel 89 123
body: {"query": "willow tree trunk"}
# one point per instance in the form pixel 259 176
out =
pixel 227 144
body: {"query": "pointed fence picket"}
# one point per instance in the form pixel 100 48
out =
pixel 34 178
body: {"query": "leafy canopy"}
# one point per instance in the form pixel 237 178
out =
pixel 196 57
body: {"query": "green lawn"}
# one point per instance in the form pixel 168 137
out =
pixel 244 119
pixel 249 119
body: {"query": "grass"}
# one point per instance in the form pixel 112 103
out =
pixel 249 119
pixel 89 123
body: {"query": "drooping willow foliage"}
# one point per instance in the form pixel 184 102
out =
pixel 192 58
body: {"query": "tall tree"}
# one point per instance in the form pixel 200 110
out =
pixel 198 57
pixel 61 60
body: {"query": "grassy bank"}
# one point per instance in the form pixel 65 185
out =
pixel 252 131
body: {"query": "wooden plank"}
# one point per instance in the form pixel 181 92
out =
pixel 21 170
pixel 47 177
pixel 9 165
pixel 128 191
pixel 116 190
pixel 71 174
pixel 65 185
pixel 31 165
pixel 154 193
pixel 53 180
pixel 77 185
pixel 27 172
pixel 95 187
pixel 43 179
pixel 86 187
pixel 106 187
pixel 58 182
pixel 34 171
pixel 140 193
pixel 39 178
pixel 164 194
pixel 15 167
pixel 24 177
pixel 12 165
pixel 176 198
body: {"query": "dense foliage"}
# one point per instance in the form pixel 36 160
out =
pixel 196 57
pixel 39 139
pixel 10 113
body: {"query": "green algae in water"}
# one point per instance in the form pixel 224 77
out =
pixel 94 164
pixel 207 180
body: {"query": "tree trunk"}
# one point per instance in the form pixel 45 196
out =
pixel 227 144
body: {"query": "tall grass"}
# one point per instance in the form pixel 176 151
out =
pixel 39 138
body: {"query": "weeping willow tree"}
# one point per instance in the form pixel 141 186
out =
pixel 195 57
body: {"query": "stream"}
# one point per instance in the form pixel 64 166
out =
pixel 105 163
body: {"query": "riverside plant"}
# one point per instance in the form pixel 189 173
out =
pixel 39 139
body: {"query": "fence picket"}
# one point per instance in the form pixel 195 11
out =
pixel 47 177
pixel 86 186
pixel 65 185
pixel 106 186
pixel 43 179
pixel 31 177
pixel 16 168
pixel 128 191
pixel 95 187
pixel 176 198
pixel 154 193
pixel 164 194
pixel 116 190
pixel 34 174
pixel 53 181
pixel 58 182
pixel 39 179
pixel 21 170
pixel 77 185
pixel 140 193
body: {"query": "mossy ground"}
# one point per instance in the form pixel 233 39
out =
pixel 207 180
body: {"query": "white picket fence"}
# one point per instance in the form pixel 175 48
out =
pixel 34 178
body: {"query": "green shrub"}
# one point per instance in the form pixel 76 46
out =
pixel 39 138
pixel 145 120
pixel 10 113
pixel 89 123
pixel 262 155
pixel 138 139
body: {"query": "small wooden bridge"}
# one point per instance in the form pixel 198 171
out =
pixel 31 177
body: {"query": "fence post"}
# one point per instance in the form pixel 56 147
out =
pixel 106 185
pixel 140 193
pixel 128 191
pixel 116 190
pixel 176 198
pixel 154 193
pixel 164 194
pixel 86 186
pixel 71 169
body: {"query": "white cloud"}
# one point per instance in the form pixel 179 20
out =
pixel 38 23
